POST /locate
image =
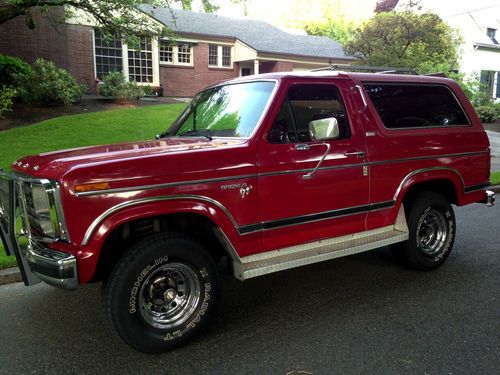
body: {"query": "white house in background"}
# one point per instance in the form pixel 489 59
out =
pixel 478 22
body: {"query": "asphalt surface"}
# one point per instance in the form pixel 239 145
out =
pixel 357 315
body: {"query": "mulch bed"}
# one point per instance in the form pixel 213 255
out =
pixel 494 126
pixel 23 114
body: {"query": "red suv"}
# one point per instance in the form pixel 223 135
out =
pixel 269 172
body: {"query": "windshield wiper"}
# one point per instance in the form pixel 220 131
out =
pixel 196 133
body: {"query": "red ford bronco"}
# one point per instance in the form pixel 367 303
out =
pixel 269 172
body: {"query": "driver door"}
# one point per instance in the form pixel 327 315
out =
pixel 312 189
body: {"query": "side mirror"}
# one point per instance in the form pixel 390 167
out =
pixel 327 128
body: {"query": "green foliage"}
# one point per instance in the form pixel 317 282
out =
pixel 114 85
pixel 6 96
pixel 421 41
pixel 487 114
pixel 336 22
pixel 497 109
pixel 338 30
pixel 148 90
pixel 47 84
pixel 10 67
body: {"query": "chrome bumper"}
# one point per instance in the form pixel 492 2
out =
pixel 490 198
pixel 53 267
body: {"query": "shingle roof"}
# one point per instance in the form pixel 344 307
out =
pixel 260 35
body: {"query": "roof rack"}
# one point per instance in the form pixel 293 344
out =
pixel 370 69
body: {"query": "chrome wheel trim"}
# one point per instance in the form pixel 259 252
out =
pixel 432 233
pixel 169 296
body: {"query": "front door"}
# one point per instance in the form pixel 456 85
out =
pixel 309 188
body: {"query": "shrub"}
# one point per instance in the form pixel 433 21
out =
pixel 10 68
pixel 497 109
pixel 6 96
pixel 487 114
pixel 114 85
pixel 49 85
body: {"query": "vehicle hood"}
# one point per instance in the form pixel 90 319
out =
pixel 54 164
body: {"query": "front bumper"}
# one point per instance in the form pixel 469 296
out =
pixel 54 267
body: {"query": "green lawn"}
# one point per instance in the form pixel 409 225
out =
pixel 83 130
pixel 495 178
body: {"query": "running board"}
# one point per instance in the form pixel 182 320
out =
pixel 314 252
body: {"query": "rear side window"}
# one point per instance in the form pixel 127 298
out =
pixel 416 106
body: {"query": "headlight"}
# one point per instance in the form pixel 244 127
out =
pixel 42 210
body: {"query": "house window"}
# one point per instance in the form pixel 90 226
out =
pixel 226 56
pixel 492 34
pixel 212 54
pixel 166 53
pixel 487 78
pixel 184 53
pixel 219 56
pixel 140 62
pixel 108 54
pixel 175 54
pixel 497 91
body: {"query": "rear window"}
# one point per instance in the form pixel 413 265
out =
pixel 416 106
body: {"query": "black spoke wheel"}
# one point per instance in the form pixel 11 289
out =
pixel 431 225
pixel 161 293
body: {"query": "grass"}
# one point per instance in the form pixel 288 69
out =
pixel 86 129
pixel 495 178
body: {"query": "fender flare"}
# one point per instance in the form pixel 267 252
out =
pixel 127 211
pixel 430 174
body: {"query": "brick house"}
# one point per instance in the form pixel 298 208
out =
pixel 208 48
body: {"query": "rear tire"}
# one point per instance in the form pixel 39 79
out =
pixel 161 293
pixel 431 224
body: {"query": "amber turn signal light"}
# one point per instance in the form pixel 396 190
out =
pixel 91 187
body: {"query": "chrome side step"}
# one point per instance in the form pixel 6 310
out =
pixel 318 251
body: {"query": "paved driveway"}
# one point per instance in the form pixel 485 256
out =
pixel 494 138
pixel 356 315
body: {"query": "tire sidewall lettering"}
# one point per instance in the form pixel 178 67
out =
pixel 207 297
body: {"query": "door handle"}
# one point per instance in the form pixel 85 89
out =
pixel 359 154
pixel 310 174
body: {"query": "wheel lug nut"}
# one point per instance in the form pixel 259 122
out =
pixel 169 295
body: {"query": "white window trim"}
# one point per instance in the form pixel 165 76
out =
pixel 175 55
pixel 155 57
pixel 219 57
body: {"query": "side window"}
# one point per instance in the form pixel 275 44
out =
pixel 413 106
pixel 305 104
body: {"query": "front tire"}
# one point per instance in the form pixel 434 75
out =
pixel 161 293
pixel 432 226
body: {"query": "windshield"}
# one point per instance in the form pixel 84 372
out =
pixel 224 111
